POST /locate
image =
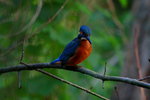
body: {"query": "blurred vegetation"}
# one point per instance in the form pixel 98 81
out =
pixel 108 39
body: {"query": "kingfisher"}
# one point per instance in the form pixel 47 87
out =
pixel 77 50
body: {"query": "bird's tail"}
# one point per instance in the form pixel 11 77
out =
pixel 55 61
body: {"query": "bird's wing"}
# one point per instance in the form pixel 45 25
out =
pixel 69 50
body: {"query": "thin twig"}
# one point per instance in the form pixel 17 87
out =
pixel 117 93
pixel 55 15
pixel 105 68
pixel 136 51
pixel 21 58
pixel 36 30
pixel 104 75
pixel 22 54
pixel 33 19
pixel 114 15
pixel 116 20
pixel 145 78
pixel 49 20
pixel 19 79
pixel 72 84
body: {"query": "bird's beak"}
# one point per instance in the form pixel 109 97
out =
pixel 80 32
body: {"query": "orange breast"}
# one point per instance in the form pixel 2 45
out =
pixel 82 52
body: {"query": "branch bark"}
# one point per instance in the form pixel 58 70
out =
pixel 75 69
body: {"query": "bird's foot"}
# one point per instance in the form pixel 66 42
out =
pixel 77 66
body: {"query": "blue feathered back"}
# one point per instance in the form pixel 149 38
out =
pixel 68 51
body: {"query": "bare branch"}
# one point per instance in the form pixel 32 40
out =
pixel 104 75
pixel 22 53
pixel 114 15
pixel 136 50
pixel 145 78
pixel 33 19
pixel 116 20
pixel 117 93
pixel 19 79
pixel 49 20
pixel 138 63
pixel 105 68
pixel 81 70
pixel 21 58
pixel 36 30
pixel 72 84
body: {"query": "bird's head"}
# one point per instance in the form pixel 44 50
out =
pixel 85 30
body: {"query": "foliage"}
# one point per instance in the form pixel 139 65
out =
pixel 47 44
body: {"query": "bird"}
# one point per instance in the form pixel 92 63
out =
pixel 77 50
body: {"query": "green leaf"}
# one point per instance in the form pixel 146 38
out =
pixel 123 3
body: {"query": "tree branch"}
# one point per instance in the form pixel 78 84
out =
pixel 72 84
pixel 36 31
pixel 138 63
pixel 75 69
pixel 117 93
pixel 33 19
pixel 145 78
